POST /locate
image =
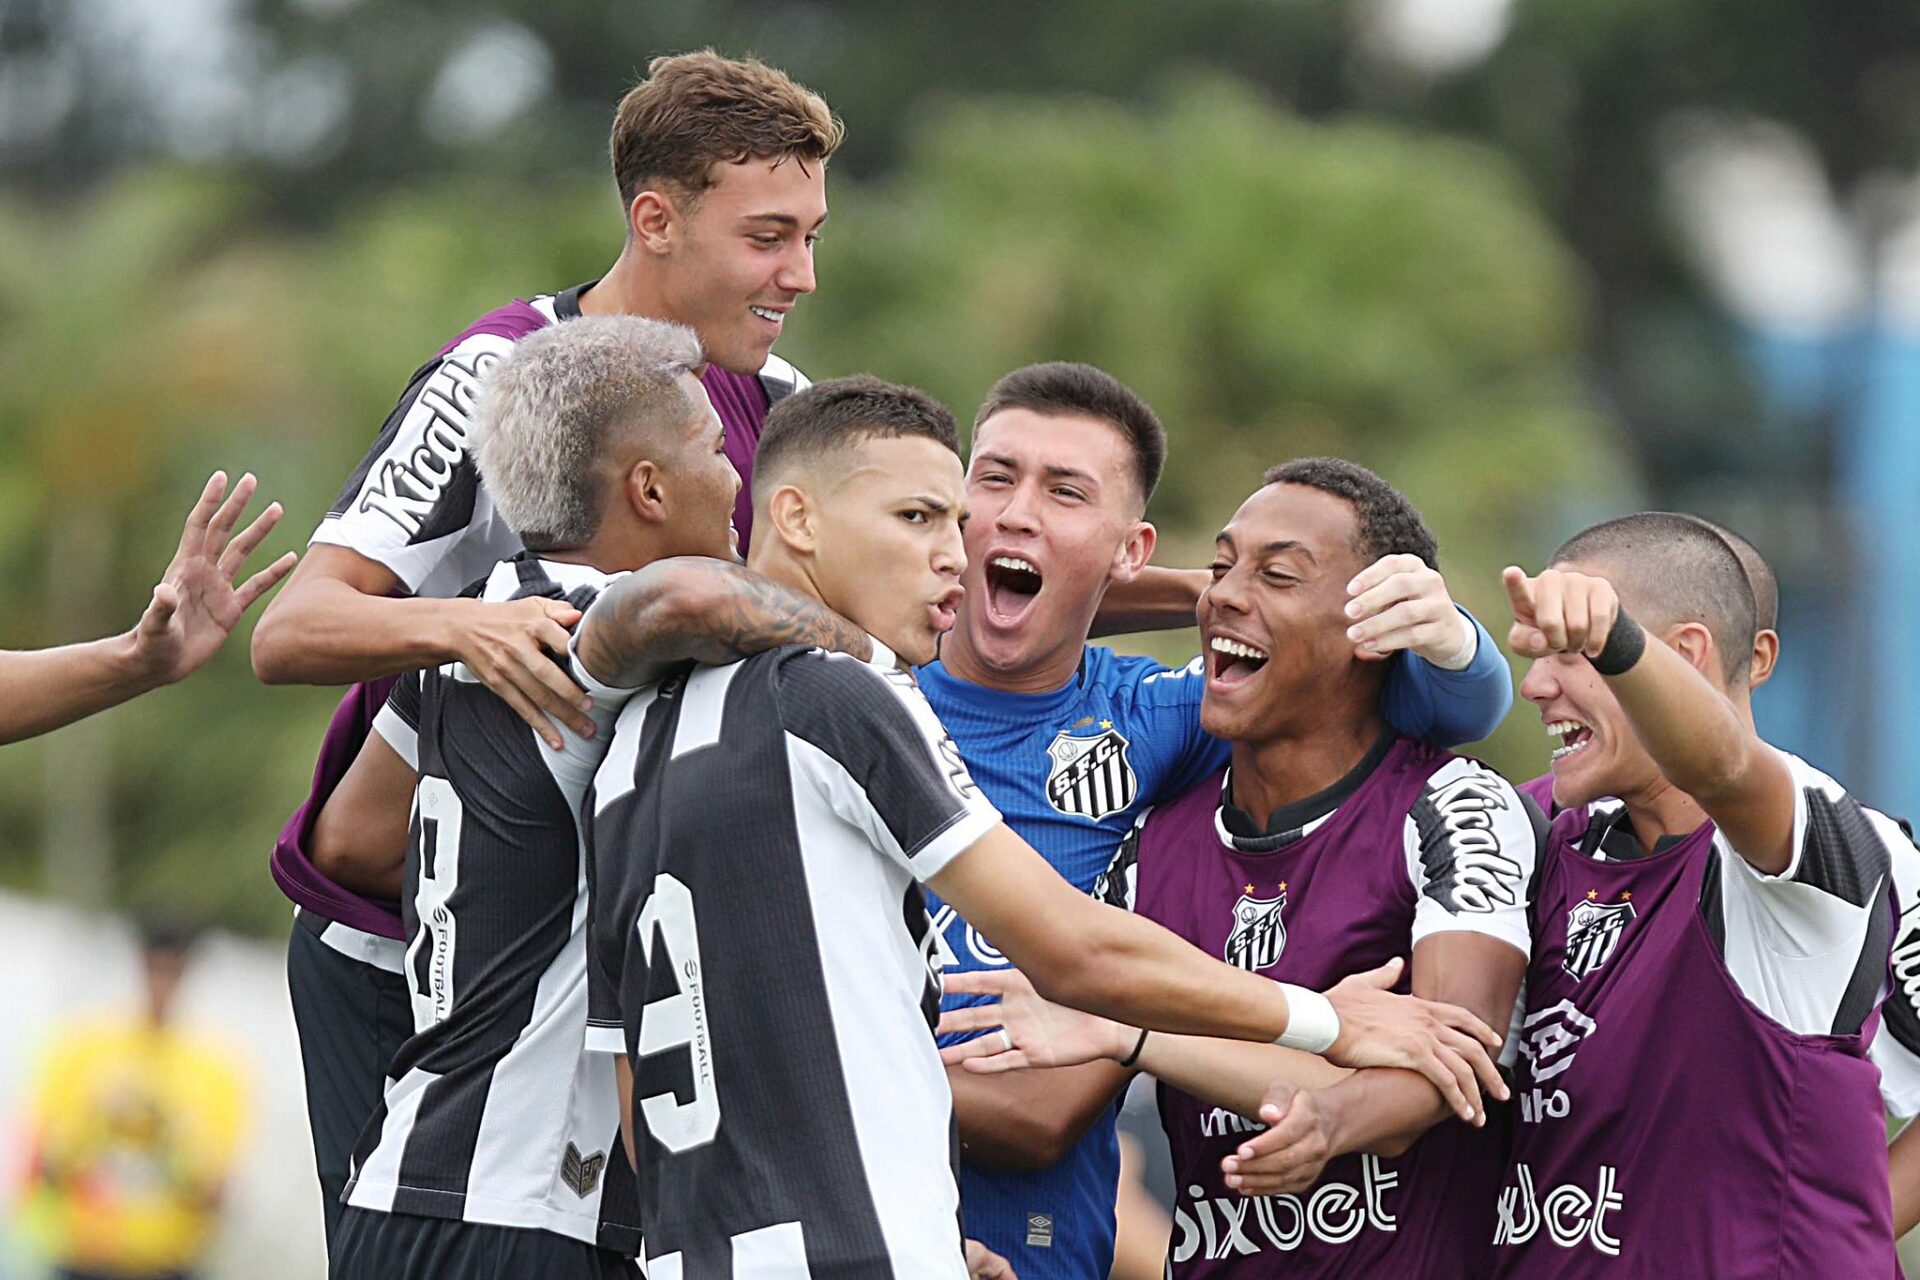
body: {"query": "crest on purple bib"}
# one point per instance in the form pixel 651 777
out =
pixel 1593 931
pixel 1259 931
pixel 1091 777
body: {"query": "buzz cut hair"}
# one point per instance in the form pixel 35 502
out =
pixel 1669 568
pixel 1385 523
pixel 840 414
pixel 696 110
pixel 1766 587
pixel 1063 388
pixel 552 409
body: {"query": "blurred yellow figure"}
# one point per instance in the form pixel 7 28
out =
pixel 133 1128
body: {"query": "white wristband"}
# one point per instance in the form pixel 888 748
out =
pixel 1312 1023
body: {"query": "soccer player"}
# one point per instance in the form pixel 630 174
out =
pixel 195 606
pixel 1695 1094
pixel 721 169
pixel 761 831
pixel 492 1151
pixel 1332 845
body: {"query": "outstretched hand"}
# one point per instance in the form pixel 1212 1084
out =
pixel 196 604
pixel 1024 1028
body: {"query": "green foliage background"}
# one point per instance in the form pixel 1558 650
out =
pixel 1274 286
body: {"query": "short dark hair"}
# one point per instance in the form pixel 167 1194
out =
pixel 1766 588
pixel 843 412
pixel 1384 522
pixel 1059 388
pixel 1669 568
pixel 695 110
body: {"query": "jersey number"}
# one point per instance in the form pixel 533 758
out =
pixel 430 953
pixel 678 1021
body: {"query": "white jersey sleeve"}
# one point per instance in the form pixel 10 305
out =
pixel 398 722
pixel 415 503
pixel 1896 1049
pixel 1119 885
pixel 1472 843
pixel 1809 946
pixel 865 735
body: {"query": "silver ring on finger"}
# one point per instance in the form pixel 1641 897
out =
pixel 1006 1041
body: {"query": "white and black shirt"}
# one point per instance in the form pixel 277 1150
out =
pixel 762 952
pixel 493 1112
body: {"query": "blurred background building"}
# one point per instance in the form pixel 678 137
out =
pixel 1537 262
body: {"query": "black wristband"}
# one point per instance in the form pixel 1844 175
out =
pixel 1625 643
pixel 1138 1045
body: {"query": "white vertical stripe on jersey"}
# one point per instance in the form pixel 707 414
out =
pixel 373 1183
pixel 897 1092
pixel 703 699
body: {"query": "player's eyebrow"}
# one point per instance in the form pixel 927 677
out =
pixel 939 506
pixel 1277 547
pixel 783 220
pixel 1054 472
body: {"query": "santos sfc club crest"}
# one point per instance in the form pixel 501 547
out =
pixel 1593 931
pixel 1091 777
pixel 1259 933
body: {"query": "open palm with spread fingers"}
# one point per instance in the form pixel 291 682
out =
pixel 196 604
pixel 1035 1032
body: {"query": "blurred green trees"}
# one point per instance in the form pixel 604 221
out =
pixel 1275 287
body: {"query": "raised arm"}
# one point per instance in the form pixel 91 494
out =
pixel 1692 730
pixel 195 606
pixel 345 617
pixel 690 608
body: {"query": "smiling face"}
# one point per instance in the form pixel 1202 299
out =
pixel 1273 622
pixel 887 549
pixel 1596 752
pixel 741 255
pixel 1054 507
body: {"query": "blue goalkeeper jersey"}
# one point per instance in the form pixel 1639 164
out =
pixel 1071 770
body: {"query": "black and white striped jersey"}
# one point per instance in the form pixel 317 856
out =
pixel 493 1112
pixel 761 950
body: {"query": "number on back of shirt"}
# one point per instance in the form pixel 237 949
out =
pixel 677 1022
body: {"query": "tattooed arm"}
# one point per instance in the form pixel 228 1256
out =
pixel 690 608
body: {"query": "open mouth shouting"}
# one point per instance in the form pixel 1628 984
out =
pixel 1013 583
pixel 1573 737
pixel 1232 662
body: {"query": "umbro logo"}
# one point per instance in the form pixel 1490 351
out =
pixel 581 1173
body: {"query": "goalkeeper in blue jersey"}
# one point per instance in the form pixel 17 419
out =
pixel 1071 741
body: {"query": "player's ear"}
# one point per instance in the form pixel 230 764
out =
pixel 1695 643
pixel 793 518
pixel 1133 554
pixel 1766 652
pixel 645 492
pixel 651 219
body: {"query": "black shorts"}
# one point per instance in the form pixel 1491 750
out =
pixel 352 1016
pixel 370 1245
